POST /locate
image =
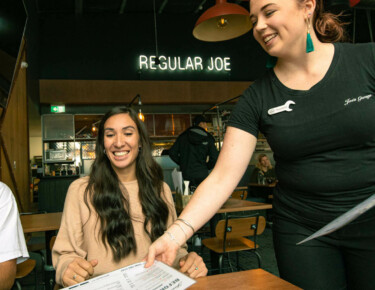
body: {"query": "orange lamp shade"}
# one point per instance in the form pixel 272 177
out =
pixel 221 22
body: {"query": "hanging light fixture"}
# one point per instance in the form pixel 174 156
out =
pixel 223 21
pixel 94 127
pixel 141 116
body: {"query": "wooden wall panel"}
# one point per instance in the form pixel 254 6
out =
pixel 152 92
pixel 14 132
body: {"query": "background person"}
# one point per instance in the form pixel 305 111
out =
pixel 263 168
pixel 195 152
pixel 263 173
pixel 111 217
pixel 13 248
pixel 316 145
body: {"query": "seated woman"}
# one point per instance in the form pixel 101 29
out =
pixel 112 216
pixel 263 168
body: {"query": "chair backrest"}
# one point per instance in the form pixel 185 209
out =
pixel 24 268
pixel 240 192
pixel 52 242
pixel 240 227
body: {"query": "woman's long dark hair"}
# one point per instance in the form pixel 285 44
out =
pixel 108 196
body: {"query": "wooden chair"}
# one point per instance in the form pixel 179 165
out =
pixel 52 282
pixel 231 236
pixel 49 270
pixel 240 192
pixel 35 247
pixel 24 269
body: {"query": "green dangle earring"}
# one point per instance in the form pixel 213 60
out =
pixel 271 61
pixel 309 43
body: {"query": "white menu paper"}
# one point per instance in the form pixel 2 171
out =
pixel 344 219
pixel 158 277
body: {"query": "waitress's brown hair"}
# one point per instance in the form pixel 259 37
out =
pixel 328 26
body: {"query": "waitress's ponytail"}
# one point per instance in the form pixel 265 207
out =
pixel 328 27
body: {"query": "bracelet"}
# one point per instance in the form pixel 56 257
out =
pixel 187 223
pixel 172 238
pixel 182 229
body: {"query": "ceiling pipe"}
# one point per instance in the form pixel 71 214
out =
pixel 200 7
pixel 161 8
pixel 122 7
pixel 78 7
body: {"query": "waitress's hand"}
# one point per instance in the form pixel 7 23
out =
pixel 78 271
pixel 163 249
pixel 193 265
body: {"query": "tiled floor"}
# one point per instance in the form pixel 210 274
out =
pixel 246 260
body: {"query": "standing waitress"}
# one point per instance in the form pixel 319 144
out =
pixel 317 109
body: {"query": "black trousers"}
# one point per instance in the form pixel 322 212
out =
pixel 344 259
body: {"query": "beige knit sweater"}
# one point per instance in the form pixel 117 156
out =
pixel 78 234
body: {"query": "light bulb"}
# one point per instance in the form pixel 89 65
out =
pixel 222 23
pixel 93 128
pixel 141 116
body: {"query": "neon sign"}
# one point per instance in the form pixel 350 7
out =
pixel 177 63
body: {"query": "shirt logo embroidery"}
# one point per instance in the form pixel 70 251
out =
pixel 359 99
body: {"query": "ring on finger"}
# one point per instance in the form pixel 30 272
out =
pixel 196 267
pixel 74 276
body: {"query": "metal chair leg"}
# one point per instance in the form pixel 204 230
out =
pixel 220 263
pixel 238 261
pixel 354 23
pixel 229 262
pixel 368 14
pixel 259 258
pixel 18 285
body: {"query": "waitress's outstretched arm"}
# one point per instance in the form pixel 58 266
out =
pixel 233 160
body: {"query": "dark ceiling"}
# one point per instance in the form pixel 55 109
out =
pixel 192 7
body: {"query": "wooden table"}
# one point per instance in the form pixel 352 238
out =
pixel 250 279
pixel 235 205
pixel 44 222
pixel 266 189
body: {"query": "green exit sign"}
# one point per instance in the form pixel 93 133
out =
pixel 57 109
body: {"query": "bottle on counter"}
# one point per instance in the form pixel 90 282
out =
pixel 261 178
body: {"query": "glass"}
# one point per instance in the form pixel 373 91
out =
pixel 171 124
pixel 88 150
pixel 149 123
pixel 58 151
pixel 58 127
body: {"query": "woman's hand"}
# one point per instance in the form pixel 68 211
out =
pixel 163 249
pixel 193 265
pixel 78 271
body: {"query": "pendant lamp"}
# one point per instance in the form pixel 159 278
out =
pixel 223 21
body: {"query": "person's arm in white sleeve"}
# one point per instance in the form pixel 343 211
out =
pixel 12 241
